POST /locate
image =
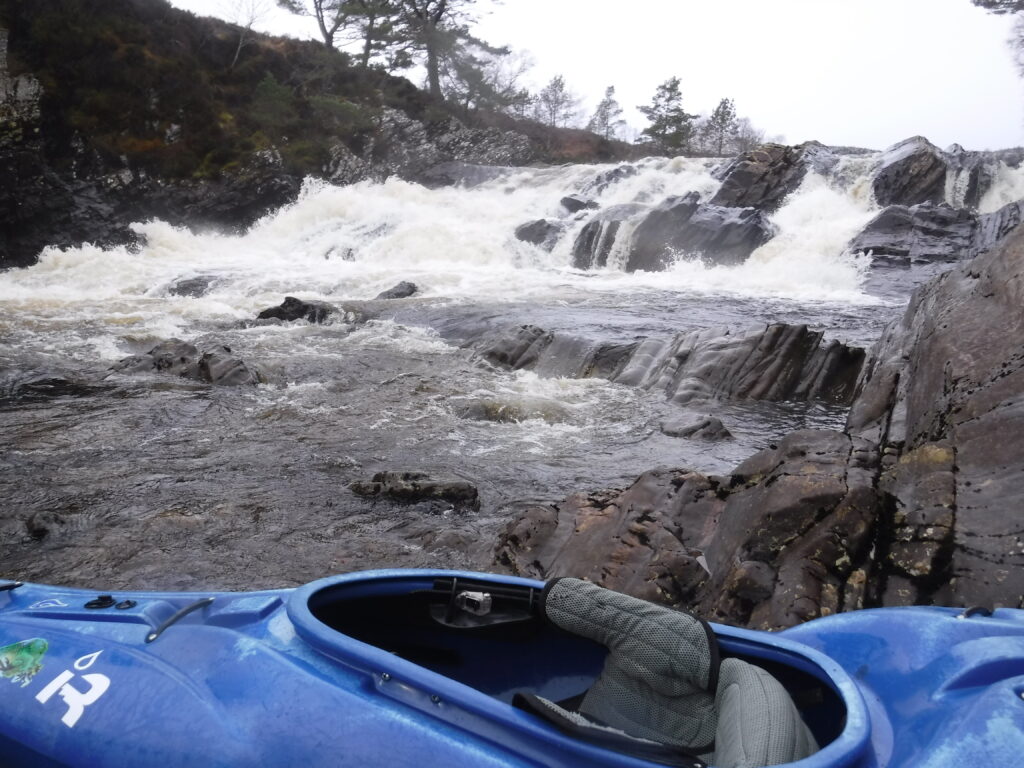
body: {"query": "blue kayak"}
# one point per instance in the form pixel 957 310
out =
pixel 420 668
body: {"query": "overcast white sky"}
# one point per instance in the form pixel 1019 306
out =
pixel 858 72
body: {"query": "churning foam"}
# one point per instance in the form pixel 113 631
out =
pixel 1007 187
pixel 353 242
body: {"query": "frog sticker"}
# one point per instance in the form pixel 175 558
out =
pixel 21 661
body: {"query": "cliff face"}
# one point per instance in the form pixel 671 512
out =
pixel 917 502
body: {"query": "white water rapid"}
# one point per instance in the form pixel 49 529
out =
pixel 153 463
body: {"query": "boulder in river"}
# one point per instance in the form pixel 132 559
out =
pixel 902 235
pixel 542 232
pixel 762 178
pixel 193 287
pixel 402 290
pixel 696 426
pixel 216 365
pixel 912 171
pixel 595 241
pixel 414 487
pixel 681 227
pixel 924 233
pixel 605 179
pixel 577 203
pixel 296 309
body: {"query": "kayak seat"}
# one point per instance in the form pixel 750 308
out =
pixel 664 693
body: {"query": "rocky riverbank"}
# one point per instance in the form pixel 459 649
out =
pixel 917 501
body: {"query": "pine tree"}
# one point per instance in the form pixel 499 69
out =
pixel 721 126
pixel 671 126
pixel 556 105
pixel 607 120
pixel 329 14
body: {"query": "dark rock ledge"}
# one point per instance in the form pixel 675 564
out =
pixel 917 502
pixel 774 362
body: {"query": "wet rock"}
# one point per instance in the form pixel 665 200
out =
pixel 454 173
pixel 654 239
pixel 345 167
pixel 415 487
pixel 219 366
pixel 595 241
pixel 173 356
pixel 506 411
pixel 776 543
pixel 696 426
pixel 43 386
pixel 762 178
pixel 192 286
pixel 925 233
pixel 607 361
pixel 902 235
pixel 515 348
pixel 605 179
pixel 577 203
pixel 680 227
pixel 542 232
pixel 296 309
pixel 643 541
pixel 912 171
pixel 774 362
pixel 993 227
pixel 216 365
pixel 917 502
pixel 943 394
pixel 402 290
pixel 971 175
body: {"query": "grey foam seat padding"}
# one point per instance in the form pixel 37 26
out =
pixel 662 681
pixel 758 723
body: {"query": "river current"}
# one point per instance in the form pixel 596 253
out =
pixel 158 482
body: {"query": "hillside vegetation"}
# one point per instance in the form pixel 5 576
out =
pixel 158 89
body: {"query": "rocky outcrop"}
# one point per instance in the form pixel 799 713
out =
pixel 577 203
pixel 942 394
pixel 605 179
pixel 596 240
pixel 696 427
pixel 926 232
pixel 781 540
pixel 216 365
pixel 774 362
pixel 651 239
pixel 916 502
pixel 402 290
pixel 683 228
pixel 193 287
pixel 442 154
pixel 456 173
pixel 292 309
pixel 416 487
pixel 903 236
pixel 542 232
pixel 761 178
pixel 911 172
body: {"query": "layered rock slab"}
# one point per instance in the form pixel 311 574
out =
pixel 944 392
pixel 775 362
pixel 783 539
